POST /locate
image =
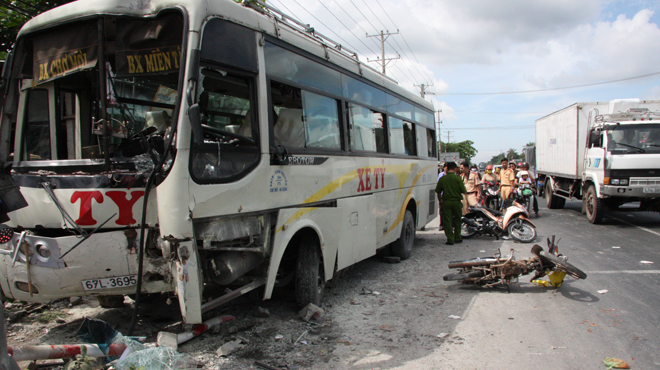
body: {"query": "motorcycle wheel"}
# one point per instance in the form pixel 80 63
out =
pixel 564 266
pixel 522 231
pixel 468 231
pixel 458 276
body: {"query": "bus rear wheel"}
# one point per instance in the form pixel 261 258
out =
pixel 402 247
pixel 310 276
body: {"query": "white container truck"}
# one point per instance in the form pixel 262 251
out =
pixel 604 153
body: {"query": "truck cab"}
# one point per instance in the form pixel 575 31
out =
pixel 621 161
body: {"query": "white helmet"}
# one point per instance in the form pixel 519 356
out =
pixel 523 173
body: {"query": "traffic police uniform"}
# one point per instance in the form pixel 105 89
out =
pixel 452 188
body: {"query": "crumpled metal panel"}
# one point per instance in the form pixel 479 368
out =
pixel 230 228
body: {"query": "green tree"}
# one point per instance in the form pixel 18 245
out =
pixel 464 148
pixel 497 159
pixel 512 154
pixel 13 14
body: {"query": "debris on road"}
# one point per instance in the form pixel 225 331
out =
pixel 51 352
pixel 156 358
pixel 261 312
pixel 230 347
pixel 166 339
pixel 615 363
pixel 312 312
pixel 442 335
pixel 602 291
pixel 646 262
pixel 454 317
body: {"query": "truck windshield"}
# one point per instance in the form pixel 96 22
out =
pixel 99 88
pixel 642 138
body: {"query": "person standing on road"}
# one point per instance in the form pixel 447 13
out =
pixel 452 189
pixel 489 175
pixel 507 180
pixel 444 171
pixel 472 185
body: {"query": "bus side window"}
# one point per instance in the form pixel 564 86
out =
pixel 430 143
pixel 397 141
pixel 321 116
pixel 409 138
pixel 37 126
pixel 366 127
pixel 288 126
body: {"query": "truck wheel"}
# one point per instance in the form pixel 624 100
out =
pixel 595 207
pixel 551 200
pixel 310 279
pixel 402 247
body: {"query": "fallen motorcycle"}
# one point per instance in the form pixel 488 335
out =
pixel 485 221
pixel 491 271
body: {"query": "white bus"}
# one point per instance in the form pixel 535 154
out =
pixel 177 145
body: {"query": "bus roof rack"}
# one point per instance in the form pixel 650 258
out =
pixel 306 28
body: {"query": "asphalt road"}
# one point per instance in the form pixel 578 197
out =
pixel 574 326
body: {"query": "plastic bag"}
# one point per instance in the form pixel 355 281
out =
pixel 156 358
pixel 615 363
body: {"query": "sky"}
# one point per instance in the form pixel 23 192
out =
pixel 481 58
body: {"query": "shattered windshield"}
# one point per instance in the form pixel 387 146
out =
pixel 83 98
pixel 624 139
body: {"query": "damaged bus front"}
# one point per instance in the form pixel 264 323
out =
pixel 87 124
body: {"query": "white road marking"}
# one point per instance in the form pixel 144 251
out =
pixel 639 227
pixel 625 272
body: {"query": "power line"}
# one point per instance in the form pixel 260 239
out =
pixel 354 21
pixel 482 112
pixel 412 78
pixel 557 88
pixel 365 17
pixel 404 40
pixel 494 128
pixel 342 23
pixel 399 47
pixel 324 25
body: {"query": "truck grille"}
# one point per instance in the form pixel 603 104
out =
pixel 640 181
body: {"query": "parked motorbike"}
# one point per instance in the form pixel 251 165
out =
pixel 490 271
pixel 514 222
pixel 491 192
pixel 523 195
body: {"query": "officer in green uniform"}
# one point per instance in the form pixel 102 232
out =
pixel 452 188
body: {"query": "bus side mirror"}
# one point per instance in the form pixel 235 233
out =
pixel 196 124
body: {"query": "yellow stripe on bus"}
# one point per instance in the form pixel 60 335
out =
pixel 400 171
pixel 402 211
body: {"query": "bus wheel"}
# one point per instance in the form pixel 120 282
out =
pixel 310 278
pixel 402 247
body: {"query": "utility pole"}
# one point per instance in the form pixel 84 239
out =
pixel 383 36
pixel 438 127
pixel 422 90
pixel 448 134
